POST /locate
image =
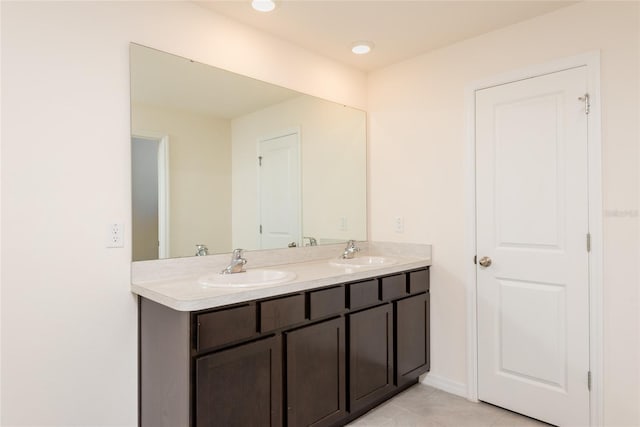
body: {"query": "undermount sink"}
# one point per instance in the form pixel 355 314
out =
pixel 246 279
pixel 363 261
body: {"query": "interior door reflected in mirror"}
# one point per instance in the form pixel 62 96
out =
pixel 227 161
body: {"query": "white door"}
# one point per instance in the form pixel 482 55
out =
pixel 532 212
pixel 279 192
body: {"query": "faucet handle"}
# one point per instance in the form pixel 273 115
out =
pixel 201 250
pixel 237 253
pixel 351 244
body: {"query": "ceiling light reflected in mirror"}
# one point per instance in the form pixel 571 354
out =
pixel 263 5
pixel 361 47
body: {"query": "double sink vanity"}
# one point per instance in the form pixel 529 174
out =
pixel 293 337
pixel 302 338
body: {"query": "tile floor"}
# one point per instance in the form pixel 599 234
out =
pixel 424 406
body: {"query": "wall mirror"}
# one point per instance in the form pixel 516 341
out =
pixel 227 161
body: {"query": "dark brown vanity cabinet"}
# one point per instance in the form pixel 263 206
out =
pixel 315 374
pixel 320 357
pixel 370 355
pixel 411 317
pixel 241 386
pixel 412 338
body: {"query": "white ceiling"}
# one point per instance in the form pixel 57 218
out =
pixel 399 29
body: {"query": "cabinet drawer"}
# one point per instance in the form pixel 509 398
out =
pixel 418 281
pixel 326 302
pixel 363 294
pixel 394 287
pixel 225 326
pixel 281 312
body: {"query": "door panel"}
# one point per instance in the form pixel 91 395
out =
pixel 521 324
pixel 532 207
pixel 533 123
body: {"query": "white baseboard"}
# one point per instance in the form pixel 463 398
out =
pixel 445 384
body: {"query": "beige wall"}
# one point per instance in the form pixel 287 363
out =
pixel 199 176
pixel 418 107
pixel 333 163
pixel 68 320
pixel 68 334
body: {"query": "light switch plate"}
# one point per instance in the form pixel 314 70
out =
pixel 398 224
pixel 343 223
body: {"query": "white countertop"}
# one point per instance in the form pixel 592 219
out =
pixel 183 292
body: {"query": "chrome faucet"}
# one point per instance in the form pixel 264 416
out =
pixel 202 250
pixel 237 263
pixel 350 250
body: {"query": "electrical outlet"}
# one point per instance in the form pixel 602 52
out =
pixel 398 224
pixel 115 235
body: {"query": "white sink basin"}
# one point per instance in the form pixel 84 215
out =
pixel 363 261
pixel 247 279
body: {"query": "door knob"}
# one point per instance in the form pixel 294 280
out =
pixel 485 261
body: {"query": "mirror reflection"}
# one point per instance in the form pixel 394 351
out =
pixel 224 161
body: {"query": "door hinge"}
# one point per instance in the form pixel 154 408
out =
pixel 588 242
pixel 587 102
pixel 260 228
pixel 259 160
pixel 589 380
pixel 475 259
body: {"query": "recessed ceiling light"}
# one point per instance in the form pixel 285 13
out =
pixel 263 5
pixel 362 47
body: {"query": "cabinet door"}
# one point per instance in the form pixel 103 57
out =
pixel 316 374
pixel 412 335
pixel 370 355
pixel 241 386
